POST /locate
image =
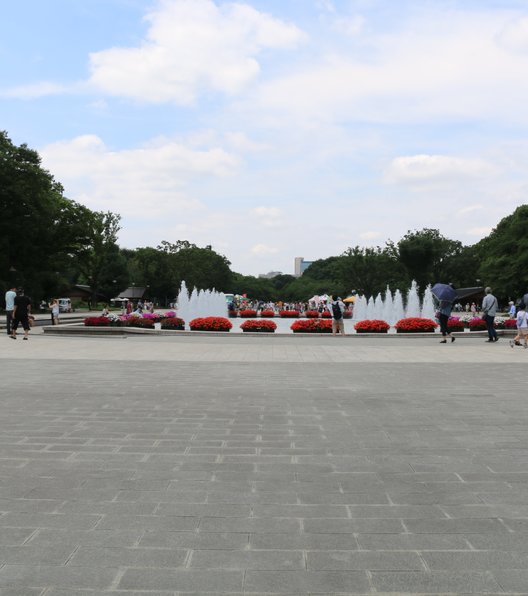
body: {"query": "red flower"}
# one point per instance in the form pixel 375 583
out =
pixel 259 325
pixel 477 324
pixel 97 321
pixel 326 314
pixel 415 325
pixel 268 312
pixel 455 324
pixel 311 314
pixel 173 323
pixel 247 313
pixel 312 326
pixel 372 326
pixel 210 324
pixel 289 314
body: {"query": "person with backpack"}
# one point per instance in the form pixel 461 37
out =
pixel 337 309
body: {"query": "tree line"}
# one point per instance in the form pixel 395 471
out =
pixel 48 243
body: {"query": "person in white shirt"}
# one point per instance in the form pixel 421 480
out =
pixel 522 327
pixel 10 305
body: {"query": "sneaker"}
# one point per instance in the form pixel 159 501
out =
pixel 496 339
pixel 443 341
pixel 512 343
pixel 453 339
pixel 489 341
pixel 24 338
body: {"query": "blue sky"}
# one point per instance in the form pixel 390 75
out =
pixel 274 129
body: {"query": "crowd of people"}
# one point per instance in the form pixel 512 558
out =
pixel 18 312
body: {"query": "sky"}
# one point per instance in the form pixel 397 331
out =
pixel 272 129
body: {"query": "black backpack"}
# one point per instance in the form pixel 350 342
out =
pixel 336 311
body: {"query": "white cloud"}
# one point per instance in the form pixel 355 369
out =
pixel 268 216
pixel 150 180
pixel 514 35
pixel 34 90
pixel 438 65
pixel 264 250
pixel 480 232
pixel 192 46
pixel 469 209
pixel 371 235
pixel 419 169
pixel 350 26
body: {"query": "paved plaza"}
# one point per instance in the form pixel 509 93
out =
pixel 229 465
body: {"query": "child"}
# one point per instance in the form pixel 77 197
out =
pixel 522 327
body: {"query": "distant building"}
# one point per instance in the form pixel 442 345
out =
pixel 301 266
pixel 270 275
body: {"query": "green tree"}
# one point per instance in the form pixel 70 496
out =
pixel 40 229
pixel 98 259
pixel 504 256
pixel 369 270
pixel 423 254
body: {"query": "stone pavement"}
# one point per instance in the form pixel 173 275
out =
pixel 156 466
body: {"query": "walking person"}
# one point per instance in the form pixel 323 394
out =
pixel 522 327
pixel 337 308
pixel 21 313
pixel 489 309
pixel 444 312
pixel 10 305
pixel 444 296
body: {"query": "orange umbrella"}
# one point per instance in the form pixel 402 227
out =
pixel 350 300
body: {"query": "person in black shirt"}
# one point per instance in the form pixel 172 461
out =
pixel 21 314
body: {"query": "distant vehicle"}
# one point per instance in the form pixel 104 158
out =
pixel 65 305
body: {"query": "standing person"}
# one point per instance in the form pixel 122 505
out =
pixel 473 309
pixel 489 309
pixel 55 310
pixel 21 313
pixel 337 308
pixel 10 305
pixel 513 311
pixel 522 327
pixel 444 312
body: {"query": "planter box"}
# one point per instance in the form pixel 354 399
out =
pixel 258 330
pixel 315 331
pixel 371 331
pixel 415 331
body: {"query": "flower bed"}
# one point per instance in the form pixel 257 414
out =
pixel 97 322
pixel 174 323
pixel 247 313
pixel 210 324
pixel 326 314
pixel 510 324
pixel 477 324
pixel 371 326
pixel 455 324
pixel 311 314
pixel 347 314
pixel 259 325
pixel 415 325
pixel 289 314
pixel 267 312
pixel 142 323
pixel 312 326
pixel 500 322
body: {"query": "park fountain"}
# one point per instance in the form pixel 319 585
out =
pixel 201 303
pixel 392 308
pixel 428 307
pixel 413 301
